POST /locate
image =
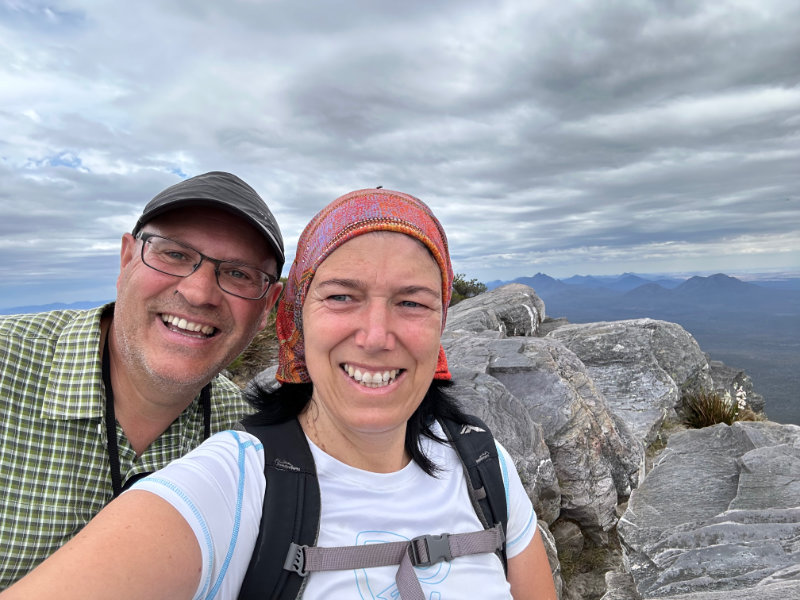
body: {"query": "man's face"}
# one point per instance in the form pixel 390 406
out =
pixel 182 331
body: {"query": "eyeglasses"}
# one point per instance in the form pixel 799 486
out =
pixel 175 258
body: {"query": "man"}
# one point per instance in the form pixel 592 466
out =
pixel 92 400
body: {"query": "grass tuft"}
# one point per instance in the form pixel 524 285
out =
pixel 704 409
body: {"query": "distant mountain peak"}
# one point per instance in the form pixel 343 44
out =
pixel 718 281
pixel 537 277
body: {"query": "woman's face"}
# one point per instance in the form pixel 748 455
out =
pixel 372 324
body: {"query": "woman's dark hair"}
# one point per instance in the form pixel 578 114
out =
pixel 287 401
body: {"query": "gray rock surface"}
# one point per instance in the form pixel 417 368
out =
pixel 777 590
pixel 512 309
pixel 596 459
pixel 506 416
pixel 735 382
pixel 641 366
pixel 264 379
pixel 720 511
pixel 620 586
pixel 568 536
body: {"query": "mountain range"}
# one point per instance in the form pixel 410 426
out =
pixel 751 326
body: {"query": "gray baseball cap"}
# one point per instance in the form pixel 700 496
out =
pixel 222 190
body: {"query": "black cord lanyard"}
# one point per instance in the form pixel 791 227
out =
pixel 111 425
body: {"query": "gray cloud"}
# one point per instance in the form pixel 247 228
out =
pixel 565 138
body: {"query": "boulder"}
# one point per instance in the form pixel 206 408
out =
pixel 549 324
pixel 736 384
pixel 512 309
pixel 620 586
pixel 719 513
pixel 509 421
pixel 774 590
pixel 596 458
pixel 641 366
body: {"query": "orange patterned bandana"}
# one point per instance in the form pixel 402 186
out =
pixel 351 215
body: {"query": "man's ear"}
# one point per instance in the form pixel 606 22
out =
pixel 127 253
pixel 273 295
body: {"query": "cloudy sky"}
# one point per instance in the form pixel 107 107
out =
pixel 569 137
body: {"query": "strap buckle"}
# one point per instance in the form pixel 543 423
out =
pixel 296 559
pixel 437 548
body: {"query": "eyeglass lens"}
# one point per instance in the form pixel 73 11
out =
pixel 175 258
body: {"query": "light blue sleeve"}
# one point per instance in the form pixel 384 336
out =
pixel 521 515
pixel 218 488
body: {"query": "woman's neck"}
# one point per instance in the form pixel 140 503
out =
pixel 383 452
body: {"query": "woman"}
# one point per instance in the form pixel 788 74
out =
pixel 362 369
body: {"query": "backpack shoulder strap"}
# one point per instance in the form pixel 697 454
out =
pixel 290 514
pixel 476 448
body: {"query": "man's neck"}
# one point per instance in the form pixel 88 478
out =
pixel 143 408
pixel 140 427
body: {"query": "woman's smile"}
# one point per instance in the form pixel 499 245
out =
pixel 370 378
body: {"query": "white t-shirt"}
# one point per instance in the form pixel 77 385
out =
pixel 358 507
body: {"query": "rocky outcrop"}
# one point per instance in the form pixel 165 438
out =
pixel 711 518
pixel 719 512
pixel 595 457
pixel 642 367
pixel 735 382
pixel 487 398
pixel 520 312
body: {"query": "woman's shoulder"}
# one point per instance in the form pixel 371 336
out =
pixel 226 455
pixel 225 441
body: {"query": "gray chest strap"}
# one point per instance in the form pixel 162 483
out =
pixel 422 551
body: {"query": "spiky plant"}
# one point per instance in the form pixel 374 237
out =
pixel 703 409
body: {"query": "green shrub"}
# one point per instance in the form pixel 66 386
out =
pixel 463 289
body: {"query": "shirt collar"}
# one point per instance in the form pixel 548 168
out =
pixel 75 383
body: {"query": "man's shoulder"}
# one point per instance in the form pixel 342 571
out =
pixel 48 324
pixel 222 385
pixel 227 400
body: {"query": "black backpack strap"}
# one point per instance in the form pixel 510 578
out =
pixel 290 515
pixel 475 445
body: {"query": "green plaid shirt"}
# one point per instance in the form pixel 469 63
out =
pixel 54 468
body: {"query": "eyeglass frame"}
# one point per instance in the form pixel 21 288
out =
pixel 144 236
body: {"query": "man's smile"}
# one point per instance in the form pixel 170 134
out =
pixel 181 325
